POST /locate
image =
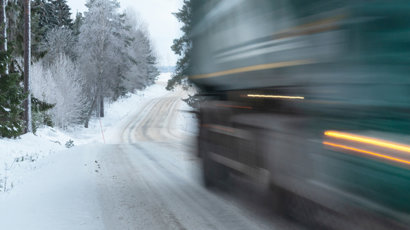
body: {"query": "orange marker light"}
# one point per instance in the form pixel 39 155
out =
pixel 275 96
pixel 368 140
pixel 379 155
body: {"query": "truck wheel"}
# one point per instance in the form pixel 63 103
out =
pixel 278 199
pixel 214 174
pixel 292 206
pixel 302 210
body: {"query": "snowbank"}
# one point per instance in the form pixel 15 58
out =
pixel 19 155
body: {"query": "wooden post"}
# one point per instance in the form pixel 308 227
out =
pixel 27 61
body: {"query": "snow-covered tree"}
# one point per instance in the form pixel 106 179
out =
pixel 53 14
pixel 57 80
pixel 60 84
pixel 142 71
pixel 43 85
pixel 102 54
pixel 43 89
pixel 69 96
pixel 78 21
pixel 58 41
pixel 97 51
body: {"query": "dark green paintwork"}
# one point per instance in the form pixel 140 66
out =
pixel 365 81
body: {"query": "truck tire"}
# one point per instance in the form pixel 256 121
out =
pixel 214 174
pixel 294 207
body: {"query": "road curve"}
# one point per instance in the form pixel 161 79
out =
pixel 151 180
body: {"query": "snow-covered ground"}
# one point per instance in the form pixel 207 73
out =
pixel 19 157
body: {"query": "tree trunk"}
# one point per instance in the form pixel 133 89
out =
pixel 97 107
pixel 27 57
pixel 101 106
pixel 3 23
pixel 87 119
pixel 100 111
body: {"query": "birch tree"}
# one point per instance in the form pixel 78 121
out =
pixel 58 41
pixel 61 85
pixel 69 92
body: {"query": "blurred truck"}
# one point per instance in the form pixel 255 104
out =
pixel 311 97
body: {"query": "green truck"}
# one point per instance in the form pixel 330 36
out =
pixel 311 97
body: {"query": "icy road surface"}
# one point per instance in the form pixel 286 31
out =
pixel 145 177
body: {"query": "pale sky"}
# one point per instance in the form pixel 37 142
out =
pixel 161 24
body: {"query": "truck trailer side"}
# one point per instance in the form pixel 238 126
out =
pixel 311 97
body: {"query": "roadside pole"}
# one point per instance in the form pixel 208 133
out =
pixel 27 61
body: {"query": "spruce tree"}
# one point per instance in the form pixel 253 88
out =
pixel 15 16
pixel 11 99
pixel 48 15
pixel 153 71
pixel 61 14
pixel 77 23
pixel 182 47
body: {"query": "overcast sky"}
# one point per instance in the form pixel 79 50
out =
pixel 161 24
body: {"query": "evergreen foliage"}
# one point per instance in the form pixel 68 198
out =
pixel 61 17
pixel 52 14
pixel 14 13
pixel 40 116
pixel 15 17
pixel 11 99
pixel 182 47
pixel 77 23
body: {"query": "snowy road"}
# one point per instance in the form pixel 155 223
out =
pixel 151 180
pixel 145 177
